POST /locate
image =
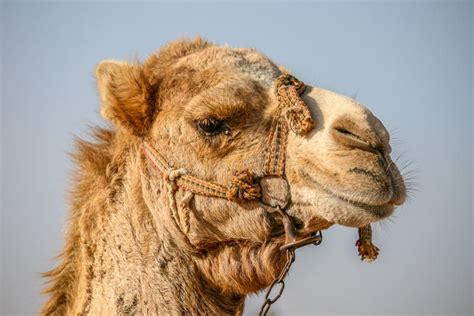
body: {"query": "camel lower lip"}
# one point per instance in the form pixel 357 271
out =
pixel 367 207
pixel 378 210
pixel 373 212
pixel 344 199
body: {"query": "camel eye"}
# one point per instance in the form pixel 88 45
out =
pixel 211 127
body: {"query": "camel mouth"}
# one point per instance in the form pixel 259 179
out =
pixel 337 208
pixel 382 210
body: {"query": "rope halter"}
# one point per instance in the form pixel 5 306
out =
pixel 270 188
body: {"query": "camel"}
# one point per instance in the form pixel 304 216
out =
pixel 166 205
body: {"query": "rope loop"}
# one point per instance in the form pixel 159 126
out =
pixel 243 186
pixel 173 174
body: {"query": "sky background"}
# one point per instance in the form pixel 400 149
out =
pixel 409 62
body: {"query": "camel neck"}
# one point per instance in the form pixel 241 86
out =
pixel 136 268
pixel 140 268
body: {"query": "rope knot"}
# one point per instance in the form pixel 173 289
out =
pixel 288 90
pixel 243 187
pixel 287 80
pixel 173 174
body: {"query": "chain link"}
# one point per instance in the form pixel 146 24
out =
pixel 290 258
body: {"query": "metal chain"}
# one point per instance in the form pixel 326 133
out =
pixel 290 258
pixel 315 239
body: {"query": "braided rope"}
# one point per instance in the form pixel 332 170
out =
pixel 367 250
pixel 276 154
pixel 292 113
pixel 242 186
pixel 288 90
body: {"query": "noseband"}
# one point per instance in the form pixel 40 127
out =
pixel 270 188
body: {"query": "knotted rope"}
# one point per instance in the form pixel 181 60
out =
pixel 288 90
pixel 367 250
pixel 292 113
pixel 243 187
pixel 171 177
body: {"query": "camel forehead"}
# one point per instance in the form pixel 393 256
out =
pixel 232 62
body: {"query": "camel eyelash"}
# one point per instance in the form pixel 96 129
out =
pixel 212 127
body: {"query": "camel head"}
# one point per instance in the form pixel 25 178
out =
pixel 208 110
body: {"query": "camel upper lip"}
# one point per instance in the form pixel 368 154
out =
pixel 377 179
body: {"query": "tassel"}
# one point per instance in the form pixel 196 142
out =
pixel 368 252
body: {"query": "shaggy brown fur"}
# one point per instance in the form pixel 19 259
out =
pixel 122 255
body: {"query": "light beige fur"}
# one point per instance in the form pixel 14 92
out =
pixel 122 253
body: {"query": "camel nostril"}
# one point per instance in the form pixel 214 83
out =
pixel 358 134
pixel 349 138
pixel 347 133
pixel 352 139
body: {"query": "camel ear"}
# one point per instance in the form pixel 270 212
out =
pixel 125 95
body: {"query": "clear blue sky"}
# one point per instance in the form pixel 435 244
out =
pixel 409 62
